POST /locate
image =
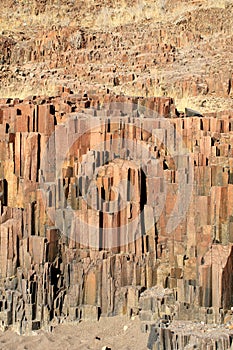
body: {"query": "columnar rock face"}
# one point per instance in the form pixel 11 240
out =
pixel 124 208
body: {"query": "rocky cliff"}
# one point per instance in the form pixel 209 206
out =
pixel 119 209
pixel 111 203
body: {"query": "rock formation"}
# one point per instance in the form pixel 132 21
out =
pixel 120 209
pixel 113 201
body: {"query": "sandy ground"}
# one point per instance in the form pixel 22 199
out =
pixel 116 333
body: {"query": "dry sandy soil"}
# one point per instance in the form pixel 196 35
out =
pixel 114 333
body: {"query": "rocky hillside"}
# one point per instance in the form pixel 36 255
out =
pixel 181 49
pixel 116 167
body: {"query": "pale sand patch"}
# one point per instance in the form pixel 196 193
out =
pixel 111 332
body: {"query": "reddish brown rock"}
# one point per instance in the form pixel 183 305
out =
pixel 70 251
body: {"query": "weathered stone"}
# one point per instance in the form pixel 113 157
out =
pixel 86 209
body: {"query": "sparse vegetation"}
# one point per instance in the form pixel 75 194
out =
pixel 22 20
pixel 22 90
pixel 29 14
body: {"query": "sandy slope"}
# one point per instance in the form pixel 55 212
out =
pixel 110 332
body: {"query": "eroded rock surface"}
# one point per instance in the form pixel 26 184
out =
pixel 120 209
pixel 109 204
